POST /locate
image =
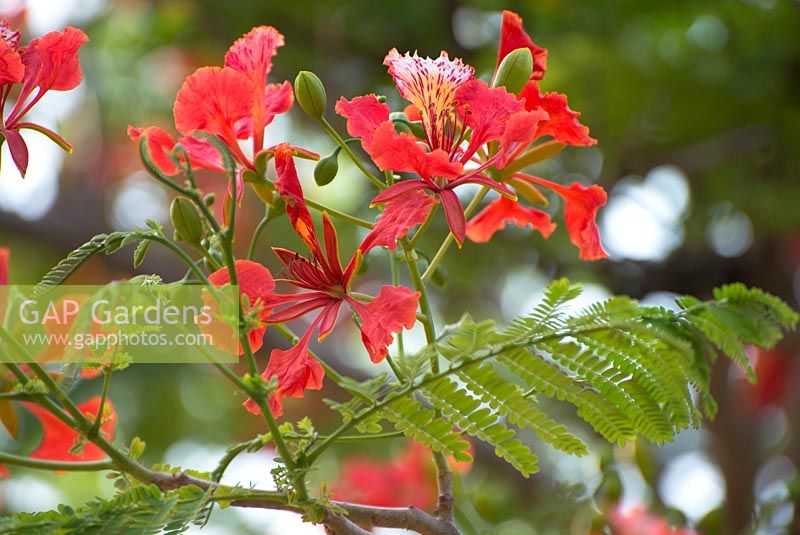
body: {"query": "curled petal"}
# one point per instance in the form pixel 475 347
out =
pixel 252 53
pixel 213 100
pixel 402 153
pixel 400 215
pixel 296 370
pixel 364 115
pixel 255 282
pixel 494 217
pixel 11 68
pixel 51 62
pixel 290 190
pixel 202 154
pixel 580 212
pixel 159 145
pixel 486 111
pixel 58 438
pixel 513 36
pixel 18 149
pixel 430 85
pixel 563 123
pixel 395 307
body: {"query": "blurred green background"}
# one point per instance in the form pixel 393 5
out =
pixel 696 109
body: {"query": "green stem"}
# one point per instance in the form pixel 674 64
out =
pixel 341 142
pixel 181 253
pixel 351 438
pixel 448 241
pixel 421 230
pixel 98 420
pixel 251 251
pixel 61 466
pixel 339 214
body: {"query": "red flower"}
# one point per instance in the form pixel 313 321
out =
pixel 637 521
pixel 255 282
pixel 232 102
pixel 454 104
pixel 470 128
pixel 558 121
pixel 327 289
pixel 50 62
pixel 406 480
pixel 58 438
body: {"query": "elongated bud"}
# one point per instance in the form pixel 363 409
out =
pixel 310 94
pixel 514 71
pixel 326 169
pixel 186 220
pixel 402 124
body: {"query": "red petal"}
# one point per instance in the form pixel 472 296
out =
pixel 202 154
pixel 364 115
pixel 296 370
pixel 331 245
pixel 402 153
pixel 278 98
pixel 395 307
pixel 563 123
pixel 4 254
pixel 412 113
pixel 159 145
pixel 18 149
pixel 400 189
pixel 454 214
pixel 400 215
pixel 3 471
pixel 580 211
pixel 290 190
pixel 256 282
pixel 328 318
pixel 252 53
pixel 58 438
pixel 513 36
pixel 51 62
pixel 520 131
pixel 503 210
pixel 486 111
pixel 213 100
pixel 11 68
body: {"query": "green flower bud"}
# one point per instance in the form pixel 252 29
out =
pixel 326 169
pixel 310 94
pixel 209 199
pixel 186 220
pixel 514 71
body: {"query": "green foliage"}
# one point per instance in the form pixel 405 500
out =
pixel 143 510
pixel 69 265
pixel 628 370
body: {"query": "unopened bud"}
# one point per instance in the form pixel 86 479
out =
pixel 186 220
pixel 209 199
pixel 310 94
pixel 326 169
pixel 514 71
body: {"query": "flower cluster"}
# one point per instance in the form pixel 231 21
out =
pixel 458 130
pixel 47 63
pixel 474 133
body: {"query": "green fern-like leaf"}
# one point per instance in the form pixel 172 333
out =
pixel 142 510
pixel 69 265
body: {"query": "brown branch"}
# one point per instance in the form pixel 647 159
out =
pixel 359 517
